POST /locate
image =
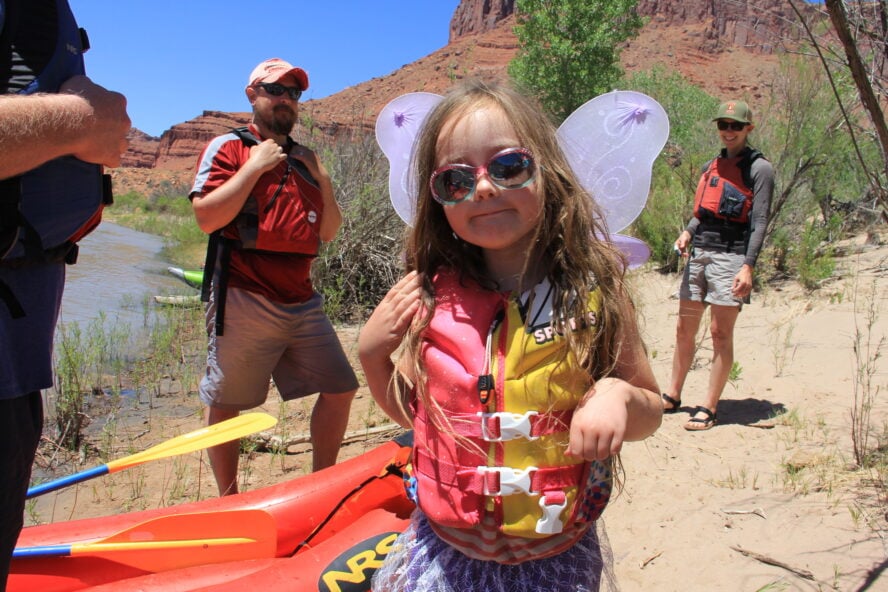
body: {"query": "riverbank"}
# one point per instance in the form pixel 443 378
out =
pixel 770 499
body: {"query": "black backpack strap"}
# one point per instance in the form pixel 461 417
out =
pixel 220 249
pixel 209 265
pixel 249 139
pixel 217 248
pixel 222 288
pixel 245 135
pixel 745 165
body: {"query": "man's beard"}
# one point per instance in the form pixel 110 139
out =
pixel 281 121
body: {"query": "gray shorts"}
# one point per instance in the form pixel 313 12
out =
pixel 295 344
pixel 708 278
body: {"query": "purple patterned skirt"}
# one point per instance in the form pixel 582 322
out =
pixel 422 562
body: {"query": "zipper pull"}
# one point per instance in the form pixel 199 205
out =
pixel 485 387
pixel 486 384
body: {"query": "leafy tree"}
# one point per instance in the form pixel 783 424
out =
pixel 569 50
pixel 860 28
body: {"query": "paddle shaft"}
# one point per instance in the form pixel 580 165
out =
pixel 169 542
pixel 66 481
pixel 98 548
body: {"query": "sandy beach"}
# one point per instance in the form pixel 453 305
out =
pixel 769 499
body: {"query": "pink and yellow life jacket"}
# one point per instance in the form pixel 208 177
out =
pixel 498 373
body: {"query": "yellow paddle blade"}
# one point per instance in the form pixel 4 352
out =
pixel 170 542
pixel 225 431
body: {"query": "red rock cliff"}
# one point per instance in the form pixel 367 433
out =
pixel 710 42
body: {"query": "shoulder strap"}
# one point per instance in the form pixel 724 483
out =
pixel 219 249
pixel 745 165
pixel 249 139
pixel 245 135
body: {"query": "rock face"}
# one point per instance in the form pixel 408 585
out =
pixel 180 146
pixel 142 152
pixel 725 46
pixel 478 16
pixel 750 24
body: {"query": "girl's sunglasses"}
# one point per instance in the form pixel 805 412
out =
pixel 277 90
pixel 513 168
pixel 736 126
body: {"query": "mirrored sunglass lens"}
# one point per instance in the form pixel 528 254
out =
pixel 454 184
pixel 512 169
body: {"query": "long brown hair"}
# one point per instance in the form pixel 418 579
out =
pixel 567 247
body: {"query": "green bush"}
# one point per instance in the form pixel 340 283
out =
pixel 355 271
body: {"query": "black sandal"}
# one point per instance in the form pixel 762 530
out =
pixel 676 403
pixel 699 424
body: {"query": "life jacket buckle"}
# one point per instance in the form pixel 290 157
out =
pixel 511 426
pixel 550 522
pixel 511 481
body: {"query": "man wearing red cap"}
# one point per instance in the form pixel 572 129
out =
pixel 267 203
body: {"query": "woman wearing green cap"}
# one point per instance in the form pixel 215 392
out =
pixel 722 241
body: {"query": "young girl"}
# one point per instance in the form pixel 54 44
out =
pixel 521 369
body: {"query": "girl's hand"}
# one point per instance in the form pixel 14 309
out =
pixel 598 427
pixel 386 327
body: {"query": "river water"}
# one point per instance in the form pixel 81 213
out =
pixel 118 272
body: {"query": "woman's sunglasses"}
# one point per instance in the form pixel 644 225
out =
pixel 736 126
pixel 277 90
pixel 512 168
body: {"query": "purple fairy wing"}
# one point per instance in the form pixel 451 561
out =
pixel 636 250
pixel 397 126
pixel 611 142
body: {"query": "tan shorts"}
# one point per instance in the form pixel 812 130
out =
pixel 295 344
pixel 709 276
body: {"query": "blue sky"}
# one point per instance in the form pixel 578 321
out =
pixel 173 59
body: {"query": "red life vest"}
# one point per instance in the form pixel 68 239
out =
pixel 280 215
pixel 504 457
pixel 725 191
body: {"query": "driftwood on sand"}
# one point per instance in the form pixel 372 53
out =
pixel 270 442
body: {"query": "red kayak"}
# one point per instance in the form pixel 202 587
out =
pixel 327 531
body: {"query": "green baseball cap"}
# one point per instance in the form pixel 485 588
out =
pixel 736 110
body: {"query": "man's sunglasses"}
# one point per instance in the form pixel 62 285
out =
pixel 512 168
pixel 277 90
pixel 736 126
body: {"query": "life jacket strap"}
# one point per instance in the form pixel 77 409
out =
pixel 500 481
pixel 502 426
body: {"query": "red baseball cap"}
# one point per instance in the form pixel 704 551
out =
pixel 275 69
